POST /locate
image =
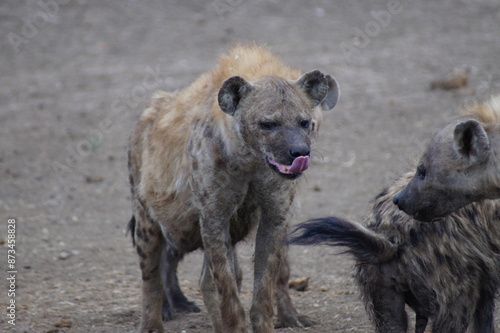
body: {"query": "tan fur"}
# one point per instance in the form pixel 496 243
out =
pixel 487 112
pixel 200 173
pixel 166 170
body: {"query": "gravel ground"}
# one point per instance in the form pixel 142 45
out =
pixel 75 74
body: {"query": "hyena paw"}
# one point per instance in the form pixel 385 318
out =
pixel 151 328
pixel 187 306
pixel 294 321
pixel 167 313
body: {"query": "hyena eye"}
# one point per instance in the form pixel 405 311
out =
pixel 268 125
pixel 305 123
pixel 421 172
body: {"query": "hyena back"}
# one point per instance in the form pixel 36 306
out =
pixel 208 164
pixel 446 271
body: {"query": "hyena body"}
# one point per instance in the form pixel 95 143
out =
pixel 459 166
pixel 446 271
pixel 208 164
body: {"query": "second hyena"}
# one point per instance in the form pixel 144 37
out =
pixel 447 271
pixel 213 161
pixel 459 166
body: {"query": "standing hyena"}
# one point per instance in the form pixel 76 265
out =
pixel 459 166
pixel 447 271
pixel 209 163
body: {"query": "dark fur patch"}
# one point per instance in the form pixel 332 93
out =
pixel 139 234
pixel 131 229
pixel 140 252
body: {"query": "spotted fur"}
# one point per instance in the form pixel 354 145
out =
pixel 447 271
pixel 201 177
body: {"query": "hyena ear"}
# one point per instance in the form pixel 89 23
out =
pixel 319 88
pixel 471 141
pixel 333 94
pixel 231 93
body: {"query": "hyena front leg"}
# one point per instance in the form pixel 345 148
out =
pixel 287 314
pixel 269 240
pixel 149 243
pixel 210 297
pixel 173 297
pixel 219 278
pixel 421 315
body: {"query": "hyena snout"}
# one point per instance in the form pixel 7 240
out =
pixel 399 200
pixel 298 144
pixel 299 150
pixel 292 160
pixel 396 199
pixel 423 212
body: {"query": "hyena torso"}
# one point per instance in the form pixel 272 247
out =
pixel 211 162
pixel 447 271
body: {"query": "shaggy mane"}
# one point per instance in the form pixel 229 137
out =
pixel 487 112
pixel 251 62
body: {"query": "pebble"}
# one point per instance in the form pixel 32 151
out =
pixel 64 255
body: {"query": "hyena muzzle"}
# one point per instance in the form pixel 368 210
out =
pixel 446 271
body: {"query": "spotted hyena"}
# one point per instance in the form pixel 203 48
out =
pixel 208 164
pixel 459 166
pixel 446 271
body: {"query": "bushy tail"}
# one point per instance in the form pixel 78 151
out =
pixel 365 245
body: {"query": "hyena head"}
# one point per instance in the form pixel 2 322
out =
pixel 277 117
pixel 451 173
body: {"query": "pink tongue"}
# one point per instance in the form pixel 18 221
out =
pixel 299 164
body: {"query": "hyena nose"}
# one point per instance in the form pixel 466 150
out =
pixel 296 151
pixel 395 199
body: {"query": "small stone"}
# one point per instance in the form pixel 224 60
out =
pixel 300 284
pixel 453 82
pixel 64 255
pixel 93 179
pixel 64 323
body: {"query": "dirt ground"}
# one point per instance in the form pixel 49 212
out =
pixel 75 74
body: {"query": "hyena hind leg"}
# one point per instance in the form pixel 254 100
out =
pixel 389 310
pixel 148 241
pixel 174 299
